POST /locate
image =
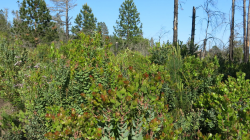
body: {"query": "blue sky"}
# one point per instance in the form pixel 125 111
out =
pixel 155 15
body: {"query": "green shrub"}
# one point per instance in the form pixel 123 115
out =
pixel 81 90
pixel 226 109
pixel 78 87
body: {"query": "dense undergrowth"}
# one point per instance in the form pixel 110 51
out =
pixel 83 91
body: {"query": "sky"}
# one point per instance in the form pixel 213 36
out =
pixel 157 17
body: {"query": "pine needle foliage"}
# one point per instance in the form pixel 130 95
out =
pixel 103 29
pixel 85 21
pixel 36 25
pixel 4 24
pixel 128 26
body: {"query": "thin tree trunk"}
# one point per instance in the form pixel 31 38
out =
pixel 193 24
pixel 175 29
pixel 231 46
pixel 63 7
pixel 205 40
pixel 116 48
pixel 204 47
pixel 248 34
pixel 67 20
pixel 244 29
pixel 193 31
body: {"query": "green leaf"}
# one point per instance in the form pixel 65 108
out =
pixel 152 98
pixel 112 101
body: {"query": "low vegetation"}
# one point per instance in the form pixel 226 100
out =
pixel 83 91
pixel 88 85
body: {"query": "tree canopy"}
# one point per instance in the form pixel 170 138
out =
pixel 4 24
pixel 85 21
pixel 35 25
pixel 101 27
pixel 128 24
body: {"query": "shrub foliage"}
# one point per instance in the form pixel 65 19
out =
pixel 83 91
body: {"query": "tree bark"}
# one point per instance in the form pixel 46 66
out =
pixel 231 45
pixel 193 31
pixel 248 34
pixel 205 40
pixel 175 29
pixel 244 30
pixel 67 20
pixel 193 25
pixel 204 47
pixel 116 48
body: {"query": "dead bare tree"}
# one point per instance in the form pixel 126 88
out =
pixel 244 29
pixel 214 18
pixel 63 7
pixel 162 33
pixel 231 44
pixel 193 31
pixel 193 25
pixel 175 29
pixel 248 34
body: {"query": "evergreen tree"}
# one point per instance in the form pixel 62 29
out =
pixel 4 24
pixel 85 21
pixel 103 29
pixel 129 25
pixel 35 26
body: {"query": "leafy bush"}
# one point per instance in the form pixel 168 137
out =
pixel 159 55
pixel 82 83
pixel 82 91
pixel 229 104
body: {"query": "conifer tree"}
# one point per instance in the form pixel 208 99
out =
pixel 85 21
pixel 128 25
pixel 35 26
pixel 103 29
pixel 4 24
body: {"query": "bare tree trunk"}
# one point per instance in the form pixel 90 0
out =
pixel 205 40
pixel 63 7
pixel 231 45
pixel 204 47
pixel 248 34
pixel 116 48
pixel 175 29
pixel 193 24
pixel 193 31
pixel 67 20
pixel 244 29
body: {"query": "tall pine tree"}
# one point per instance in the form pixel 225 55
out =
pixel 35 26
pixel 85 21
pixel 129 25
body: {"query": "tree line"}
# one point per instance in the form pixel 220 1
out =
pixel 34 24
